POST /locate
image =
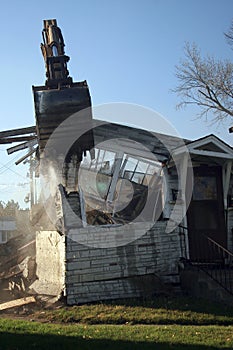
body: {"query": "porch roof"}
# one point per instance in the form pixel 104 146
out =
pixel 208 146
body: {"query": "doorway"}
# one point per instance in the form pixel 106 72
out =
pixel 205 214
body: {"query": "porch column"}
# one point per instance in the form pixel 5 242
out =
pixel 226 180
pixel 182 186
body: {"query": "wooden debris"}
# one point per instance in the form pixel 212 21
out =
pixel 15 251
pixel 16 132
pixel 25 156
pixel 96 217
pixel 21 146
pixel 17 302
pixel 6 140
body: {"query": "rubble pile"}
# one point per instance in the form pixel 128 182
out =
pixel 17 267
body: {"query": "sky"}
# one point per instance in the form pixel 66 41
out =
pixel 127 51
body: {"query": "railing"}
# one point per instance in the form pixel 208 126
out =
pixel 220 265
pixel 212 258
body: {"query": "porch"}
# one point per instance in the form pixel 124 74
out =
pixel 206 231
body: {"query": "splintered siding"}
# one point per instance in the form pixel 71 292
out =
pixel 139 268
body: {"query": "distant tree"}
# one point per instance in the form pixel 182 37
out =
pixel 12 205
pixel 206 82
pixel 2 208
pixel 9 209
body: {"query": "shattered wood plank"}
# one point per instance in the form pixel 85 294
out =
pixel 21 146
pixel 13 272
pixel 16 139
pixel 15 132
pixel 26 245
pixel 17 302
pixel 25 156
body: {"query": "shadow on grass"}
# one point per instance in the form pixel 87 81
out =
pixel 180 304
pixel 9 341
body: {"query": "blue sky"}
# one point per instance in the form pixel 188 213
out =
pixel 126 50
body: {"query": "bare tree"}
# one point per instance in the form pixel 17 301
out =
pixel 229 35
pixel 206 82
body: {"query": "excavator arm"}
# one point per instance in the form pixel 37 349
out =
pixel 53 52
pixel 60 98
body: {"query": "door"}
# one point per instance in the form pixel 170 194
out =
pixel 206 214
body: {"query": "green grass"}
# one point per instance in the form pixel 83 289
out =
pixel 16 334
pixel 183 311
pixel 174 323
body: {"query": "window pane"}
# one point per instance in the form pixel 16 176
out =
pixel 3 237
pixel 205 188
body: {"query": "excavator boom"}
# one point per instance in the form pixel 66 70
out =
pixel 54 55
pixel 60 97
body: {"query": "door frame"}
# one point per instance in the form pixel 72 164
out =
pixel 198 248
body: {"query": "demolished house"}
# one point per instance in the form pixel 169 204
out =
pixel 123 210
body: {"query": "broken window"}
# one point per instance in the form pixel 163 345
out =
pixel 121 187
pixel 96 175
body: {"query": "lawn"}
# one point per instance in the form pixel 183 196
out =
pixel 182 311
pixel 177 323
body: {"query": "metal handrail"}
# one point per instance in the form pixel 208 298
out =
pixel 219 246
pixel 217 263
